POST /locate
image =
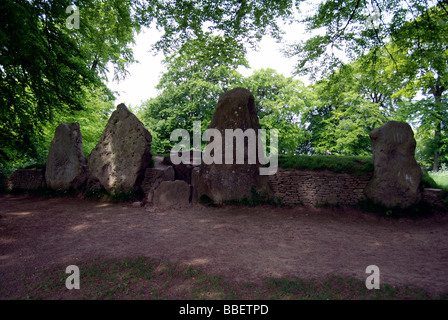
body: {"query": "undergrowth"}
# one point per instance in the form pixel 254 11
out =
pixel 342 164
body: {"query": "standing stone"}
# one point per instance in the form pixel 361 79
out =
pixel 123 153
pixel 153 178
pixel 172 194
pixel 66 164
pixel 221 182
pixel 397 175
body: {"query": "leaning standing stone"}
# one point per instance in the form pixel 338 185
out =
pixel 66 164
pixel 397 175
pixel 123 153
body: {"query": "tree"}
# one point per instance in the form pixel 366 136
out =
pixel 425 40
pixel 196 76
pixel 92 120
pixel 413 33
pixel 349 29
pixel 242 20
pixel 353 101
pixel 46 69
pixel 280 102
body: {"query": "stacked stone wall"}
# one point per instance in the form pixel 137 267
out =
pixel 312 188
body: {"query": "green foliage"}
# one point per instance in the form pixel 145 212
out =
pixel 397 70
pixel 48 70
pixel 196 76
pixel 428 181
pixel 279 102
pixel 424 40
pixel 183 20
pixel 352 102
pixel 344 164
pixel 400 71
pixel 440 178
pixel 92 120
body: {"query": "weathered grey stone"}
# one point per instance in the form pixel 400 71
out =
pixel 172 194
pixel 397 175
pixel 123 153
pixel 66 164
pixel 138 204
pixel 220 182
pixel 153 178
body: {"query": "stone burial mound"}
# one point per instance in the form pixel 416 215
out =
pixel 122 162
pixel 122 159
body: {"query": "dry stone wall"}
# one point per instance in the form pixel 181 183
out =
pixel 26 179
pixel 312 188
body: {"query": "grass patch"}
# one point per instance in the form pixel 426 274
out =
pixel 428 181
pixel 149 279
pixel 340 164
pixel 440 180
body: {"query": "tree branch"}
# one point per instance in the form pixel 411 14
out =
pixel 340 32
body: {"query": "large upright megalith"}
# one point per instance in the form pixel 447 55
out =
pixel 66 164
pixel 123 153
pixel 397 175
pixel 231 181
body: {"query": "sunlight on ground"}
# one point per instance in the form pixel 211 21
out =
pixel 80 227
pixel 198 261
pixel 102 205
pixel 441 179
pixel 25 213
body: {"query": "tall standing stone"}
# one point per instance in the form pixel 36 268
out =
pixel 397 175
pixel 221 182
pixel 66 164
pixel 123 153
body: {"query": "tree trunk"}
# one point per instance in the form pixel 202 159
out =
pixel 435 166
pixel 94 63
pixel 437 92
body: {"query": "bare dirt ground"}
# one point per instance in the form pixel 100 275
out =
pixel 237 241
